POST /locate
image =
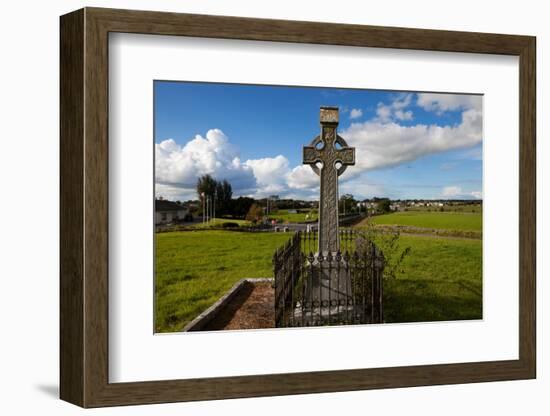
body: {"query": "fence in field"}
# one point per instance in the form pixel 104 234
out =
pixel 313 289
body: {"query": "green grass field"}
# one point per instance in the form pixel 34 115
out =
pixel 440 279
pixel 195 268
pixel 286 217
pixel 439 220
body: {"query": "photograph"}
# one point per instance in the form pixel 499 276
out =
pixel 253 203
pixel 292 206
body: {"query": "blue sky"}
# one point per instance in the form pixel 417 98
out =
pixel 408 145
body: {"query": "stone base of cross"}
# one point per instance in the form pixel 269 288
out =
pixel 328 293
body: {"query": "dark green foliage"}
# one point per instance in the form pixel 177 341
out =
pixel 384 205
pixel 224 193
pixel 241 206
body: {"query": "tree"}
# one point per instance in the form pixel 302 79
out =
pixel 206 188
pixel 348 203
pixel 224 193
pixel 241 206
pixel 255 213
pixel 384 205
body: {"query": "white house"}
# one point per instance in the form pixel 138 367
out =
pixel 168 211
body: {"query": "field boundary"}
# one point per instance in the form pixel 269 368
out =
pixel 210 313
pixel 431 232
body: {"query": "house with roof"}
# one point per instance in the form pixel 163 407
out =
pixel 167 212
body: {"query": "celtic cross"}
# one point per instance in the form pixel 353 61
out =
pixel 332 153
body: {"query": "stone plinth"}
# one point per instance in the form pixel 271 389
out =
pixel 328 292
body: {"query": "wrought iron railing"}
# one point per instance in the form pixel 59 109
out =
pixel 316 289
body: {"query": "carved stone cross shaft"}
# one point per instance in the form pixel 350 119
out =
pixel 334 155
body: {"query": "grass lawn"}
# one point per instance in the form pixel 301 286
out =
pixel 440 220
pixel 300 216
pixel 195 268
pixel 441 280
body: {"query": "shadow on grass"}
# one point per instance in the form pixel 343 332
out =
pixel 428 300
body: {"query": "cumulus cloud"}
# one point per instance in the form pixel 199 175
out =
pixel 178 167
pixel 270 174
pixel 174 193
pixel 448 102
pixel 403 115
pixel 381 143
pixel 451 191
pixel 395 110
pixel 302 177
pixel 355 113
pixel 456 192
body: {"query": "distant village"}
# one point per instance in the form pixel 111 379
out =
pixel 168 212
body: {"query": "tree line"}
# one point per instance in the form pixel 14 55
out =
pixel 220 193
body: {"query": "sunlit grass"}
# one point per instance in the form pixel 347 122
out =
pixel 440 279
pixel 437 220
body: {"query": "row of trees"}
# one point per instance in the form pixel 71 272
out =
pixel 349 204
pixel 220 194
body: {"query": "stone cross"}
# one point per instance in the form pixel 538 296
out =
pixel 329 155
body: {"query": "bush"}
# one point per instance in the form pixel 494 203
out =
pixel 255 213
pixel 230 225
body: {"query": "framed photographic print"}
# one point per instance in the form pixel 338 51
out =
pixel 255 207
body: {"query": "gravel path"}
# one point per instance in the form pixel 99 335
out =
pixel 251 308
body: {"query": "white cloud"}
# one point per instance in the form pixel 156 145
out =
pixel 456 192
pixel 178 167
pixel 382 144
pixel 360 187
pixel 174 193
pixel 448 102
pixel 181 165
pixel 355 113
pixel 270 174
pixel 343 109
pixel 302 177
pixel 383 112
pixel 451 191
pixel 403 115
pixel 395 110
